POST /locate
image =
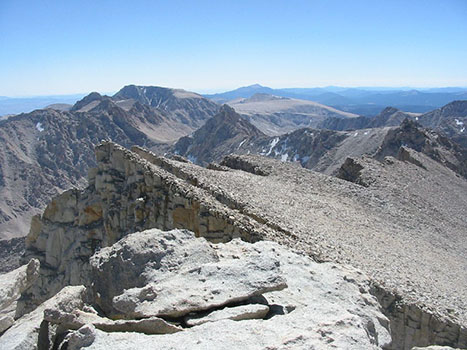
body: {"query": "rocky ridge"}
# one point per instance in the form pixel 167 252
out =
pixel 133 191
pixel 390 116
pixel 449 120
pixel 320 150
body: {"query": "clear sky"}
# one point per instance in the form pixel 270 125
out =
pixel 70 46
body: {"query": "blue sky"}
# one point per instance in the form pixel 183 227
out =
pixel 62 47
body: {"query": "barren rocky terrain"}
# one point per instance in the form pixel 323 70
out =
pixel 401 221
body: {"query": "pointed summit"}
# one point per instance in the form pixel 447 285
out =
pixel 221 135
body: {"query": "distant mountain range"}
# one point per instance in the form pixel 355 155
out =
pixel 362 101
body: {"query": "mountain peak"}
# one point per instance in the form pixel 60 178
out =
pixel 85 101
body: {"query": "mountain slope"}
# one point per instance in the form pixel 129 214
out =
pixel 47 151
pixel 390 116
pixel 187 108
pixel 319 149
pixel 223 134
pixel 450 120
pixel 276 115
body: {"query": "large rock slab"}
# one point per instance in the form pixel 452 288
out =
pixel 238 313
pixel 140 258
pixel 203 287
pixel 77 318
pixel 325 306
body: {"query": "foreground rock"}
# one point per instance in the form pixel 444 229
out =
pixel 324 306
pixel 12 284
pixel 202 288
pixel 256 296
pixel 237 313
pixel 139 259
pixel 78 318
pixel 31 331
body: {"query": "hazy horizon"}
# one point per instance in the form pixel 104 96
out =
pixel 216 91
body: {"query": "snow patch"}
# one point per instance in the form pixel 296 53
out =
pixel 241 143
pixel 458 122
pixel 273 143
pixel 356 134
pixel 463 129
pixel 39 127
pixel 191 158
pixel 284 157
pixel 365 133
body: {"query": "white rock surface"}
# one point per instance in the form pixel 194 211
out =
pixel 12 284
pixel 24 334
pixel 140 258
pixel 203 287
pixel 325 306
pixel 237 313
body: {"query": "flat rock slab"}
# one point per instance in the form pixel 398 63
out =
pixel 201 288
pixel 78 318
pixel 237 313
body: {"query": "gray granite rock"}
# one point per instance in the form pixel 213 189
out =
pixel 142 257
pixel 24 333
pixel 202 287
pixel 237 313
pixel 12 284
pixel 77 318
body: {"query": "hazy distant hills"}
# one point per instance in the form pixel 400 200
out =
pixel 275 115
pixel 362 101
pixel 10 105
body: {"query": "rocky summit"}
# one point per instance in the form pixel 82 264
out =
pixel 163 253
